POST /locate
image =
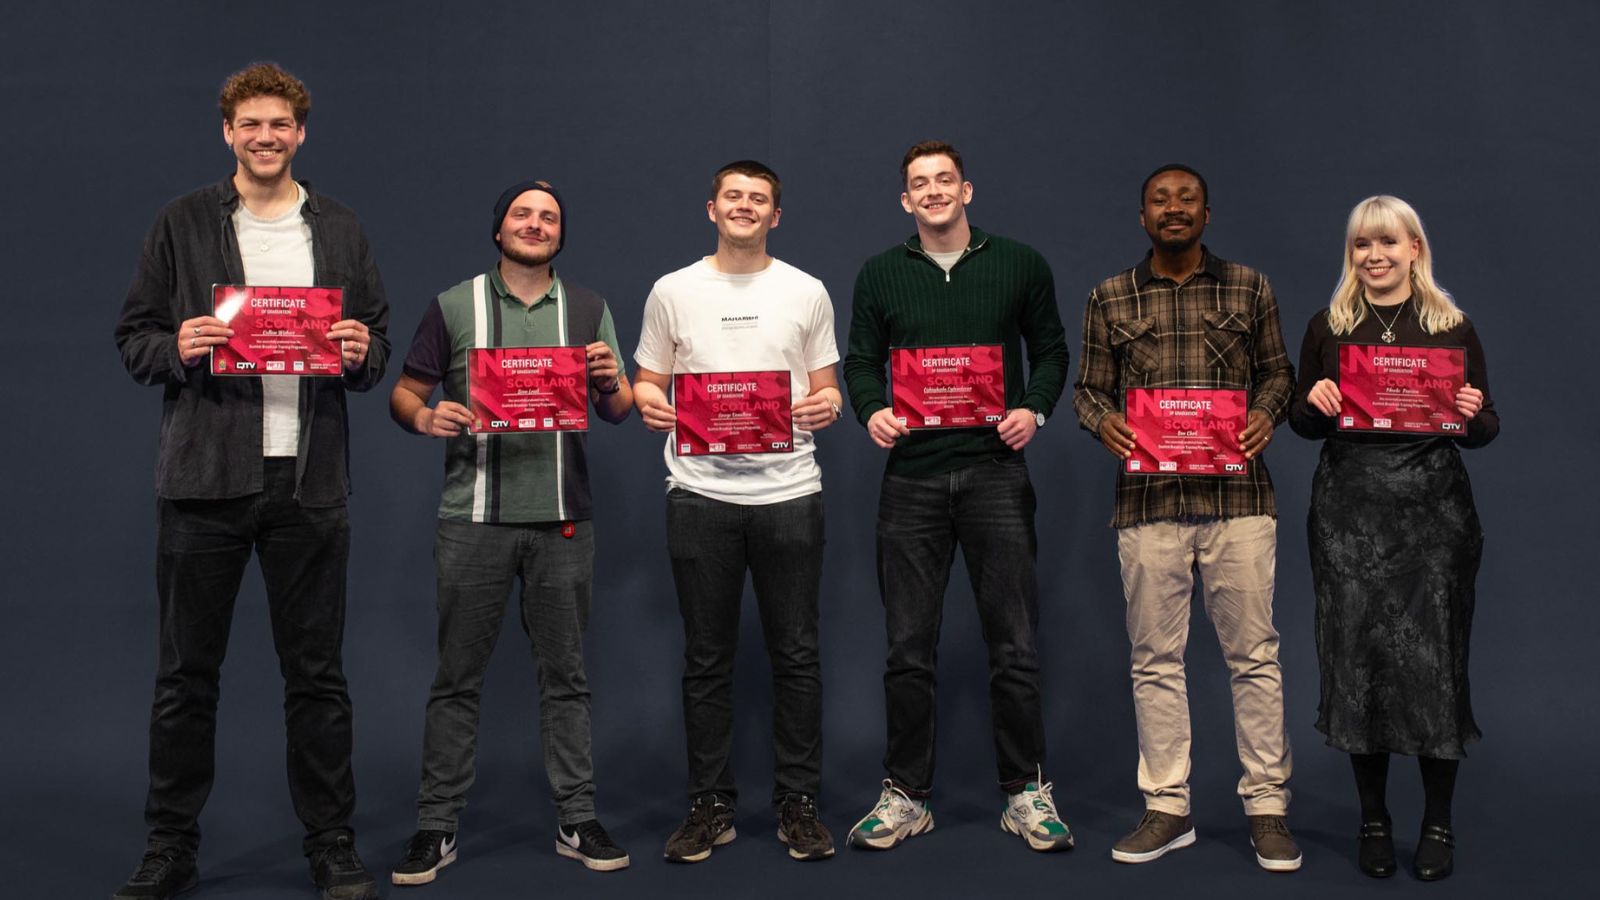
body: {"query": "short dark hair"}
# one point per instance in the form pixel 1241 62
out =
pixel 264 79
pixel 931 148
pixel 752 169
pixel 1205 192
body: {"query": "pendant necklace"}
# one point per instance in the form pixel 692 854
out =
pixel 1388 335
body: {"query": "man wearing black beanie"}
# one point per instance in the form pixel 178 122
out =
pixel 516 504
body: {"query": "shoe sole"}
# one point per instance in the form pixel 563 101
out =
pixel 893 838
pixel 1043 845
pixel 724 838
pixel 1177 843
pixel 796 854
pixel 409 878
pixel 1277 865
pixel 589 862
pixel 186 887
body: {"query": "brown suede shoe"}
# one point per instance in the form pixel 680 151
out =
pixel 1158 834
pixel 1275 847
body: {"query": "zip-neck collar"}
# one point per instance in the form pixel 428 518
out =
pixel 975 242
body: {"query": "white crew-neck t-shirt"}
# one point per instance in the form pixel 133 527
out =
pixel 277 253
pixel 698 319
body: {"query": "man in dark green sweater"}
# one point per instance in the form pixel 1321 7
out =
pixel 944 301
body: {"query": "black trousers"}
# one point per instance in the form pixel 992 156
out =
pixel 203 547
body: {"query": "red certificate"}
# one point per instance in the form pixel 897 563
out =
pixel 1404 390
pixel 277 330
pixel 519 389
pixel 732 412
pixel 948 387
pixel 1186 431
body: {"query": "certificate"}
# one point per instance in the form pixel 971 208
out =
pixel 732 412
pixel 948 387
pixel 521 389
pixel 1186 431
pixel 277 330
pixel 1401 390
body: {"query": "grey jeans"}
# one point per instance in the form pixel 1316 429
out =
pixel 477 565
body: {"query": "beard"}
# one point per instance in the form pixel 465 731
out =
pixel 530 257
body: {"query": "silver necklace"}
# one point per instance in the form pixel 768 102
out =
pixel 1388 335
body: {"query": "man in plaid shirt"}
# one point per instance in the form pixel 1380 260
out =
pixel 1184 317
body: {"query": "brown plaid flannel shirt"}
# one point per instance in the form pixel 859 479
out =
pixel 1218 329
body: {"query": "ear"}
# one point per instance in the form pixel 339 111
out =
pixel 711 210
pixel 1416 248
pixel 905 202
pixel 966 192
pixel 776 215
pixel 227 132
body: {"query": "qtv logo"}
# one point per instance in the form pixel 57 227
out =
pixel 1450 426
pixel 780 445
pixel 244 366
pixel 991 418
pixel 1233 467
pixel 499 423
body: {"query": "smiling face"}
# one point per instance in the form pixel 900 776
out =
pixel 1382 259
pixel 531 231
pixel 935 195
pixel 264 136
pixel 1174 213
pixel 743 211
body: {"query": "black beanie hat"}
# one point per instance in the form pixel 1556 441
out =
pixel 503 205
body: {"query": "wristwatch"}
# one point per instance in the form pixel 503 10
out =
pixel 1038 417
pixel 837 412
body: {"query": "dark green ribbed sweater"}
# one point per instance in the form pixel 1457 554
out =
pixel 999 292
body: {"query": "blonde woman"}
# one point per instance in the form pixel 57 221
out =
pixel 1394 538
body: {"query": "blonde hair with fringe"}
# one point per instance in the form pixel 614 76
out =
pixel 1384 214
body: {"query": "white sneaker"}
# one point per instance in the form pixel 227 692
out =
pixel 1031 813
pixel 895 818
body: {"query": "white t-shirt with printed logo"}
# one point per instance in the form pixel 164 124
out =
pixel 698 319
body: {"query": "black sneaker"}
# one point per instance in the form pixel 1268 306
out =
pixel 426 853
pixel 164 872
pixel 710 824
pixel 589 844
pixel 799 828
pixel 338 871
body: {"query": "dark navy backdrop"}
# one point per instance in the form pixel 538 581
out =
pixel 1477 114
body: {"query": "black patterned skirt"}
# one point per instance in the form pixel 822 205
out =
pixel 1395 544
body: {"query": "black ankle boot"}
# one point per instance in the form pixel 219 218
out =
pixel 1435 853
pixel 1375 851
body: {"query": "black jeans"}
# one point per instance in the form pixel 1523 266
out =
pixel 202 548
pixel 712 544
pixel 988 509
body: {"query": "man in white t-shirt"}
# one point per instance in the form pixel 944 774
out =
pixel 741 311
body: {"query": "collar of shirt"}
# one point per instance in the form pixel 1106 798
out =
pixel 1144 272
pixel 504 293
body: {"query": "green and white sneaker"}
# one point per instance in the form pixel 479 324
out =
pixel 1031 813
pixel 895 818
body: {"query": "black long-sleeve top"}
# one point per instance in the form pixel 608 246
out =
pixel 1319 359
